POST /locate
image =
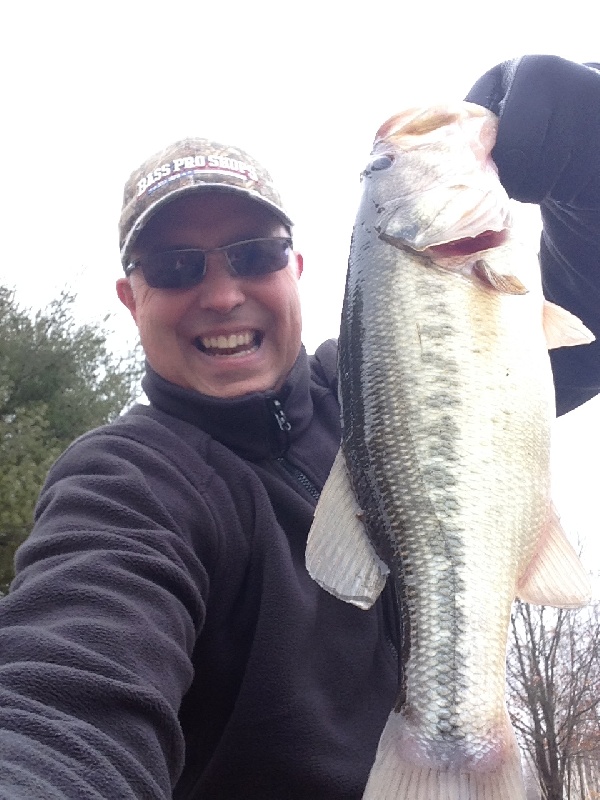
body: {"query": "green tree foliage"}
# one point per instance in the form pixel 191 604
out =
pixel 57 380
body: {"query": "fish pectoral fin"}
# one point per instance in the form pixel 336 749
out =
pixel 563 329
pixel 505 284
pixel 339 555
pixel 555 575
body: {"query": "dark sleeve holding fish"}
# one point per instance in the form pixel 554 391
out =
pixel 548 152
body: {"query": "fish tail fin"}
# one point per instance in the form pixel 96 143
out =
pixel 403 771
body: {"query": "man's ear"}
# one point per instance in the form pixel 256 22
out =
pixel 299 263
pixel 126 296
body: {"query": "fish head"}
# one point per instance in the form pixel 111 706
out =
pixel 431 181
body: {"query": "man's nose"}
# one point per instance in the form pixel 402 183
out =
pixel 220 290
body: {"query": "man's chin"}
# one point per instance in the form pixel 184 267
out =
pixel 231 381
pixel 234 389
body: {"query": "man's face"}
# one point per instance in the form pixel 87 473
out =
pixel 187 333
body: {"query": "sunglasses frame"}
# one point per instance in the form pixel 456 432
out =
pixel 139 263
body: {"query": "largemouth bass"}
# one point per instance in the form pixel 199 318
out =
pixel 443 481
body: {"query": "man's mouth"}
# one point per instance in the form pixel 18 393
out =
pixel 233 344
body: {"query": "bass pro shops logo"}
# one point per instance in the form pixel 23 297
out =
pixel 186 165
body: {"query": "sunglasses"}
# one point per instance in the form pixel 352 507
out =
pixel 182 269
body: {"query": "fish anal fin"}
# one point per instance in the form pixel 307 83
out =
pixel 339 555
pixel 563 329
pixel 555 575
pixel 506 284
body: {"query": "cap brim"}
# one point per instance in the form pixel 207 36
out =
pixel 153 208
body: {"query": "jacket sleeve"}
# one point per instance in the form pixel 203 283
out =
pixel 548 152
pixel 97 632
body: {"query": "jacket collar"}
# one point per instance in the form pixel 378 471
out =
pixel 253 426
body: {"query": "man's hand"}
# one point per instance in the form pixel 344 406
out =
pixel 548 142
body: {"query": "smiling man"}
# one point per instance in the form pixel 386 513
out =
pixel 212 275
pixel 162 637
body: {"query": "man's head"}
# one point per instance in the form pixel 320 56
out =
pixel 225 322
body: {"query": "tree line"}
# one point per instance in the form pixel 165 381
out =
pixel 57 380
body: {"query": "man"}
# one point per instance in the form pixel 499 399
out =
pixel 181 331
pixel 162 637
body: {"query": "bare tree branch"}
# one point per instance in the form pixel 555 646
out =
pixel 553 683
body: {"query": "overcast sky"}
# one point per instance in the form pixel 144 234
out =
pixel 91 90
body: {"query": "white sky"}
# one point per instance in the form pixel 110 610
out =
pixel 91 90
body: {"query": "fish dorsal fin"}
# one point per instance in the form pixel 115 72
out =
pixel 563 329
pixel 339 555
pixel 555 576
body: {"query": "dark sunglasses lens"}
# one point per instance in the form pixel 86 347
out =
pixel 259 257
pixel 174 269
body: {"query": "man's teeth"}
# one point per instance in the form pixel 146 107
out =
pixel 227 342
pixel 234 344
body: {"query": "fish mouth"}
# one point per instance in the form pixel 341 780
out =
pixel 469 245
pixel 235 345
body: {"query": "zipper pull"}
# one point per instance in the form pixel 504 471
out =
pixel 280 416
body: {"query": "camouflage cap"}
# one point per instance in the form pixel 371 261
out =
pixel 191 165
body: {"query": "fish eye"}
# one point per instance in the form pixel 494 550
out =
pixel 381 162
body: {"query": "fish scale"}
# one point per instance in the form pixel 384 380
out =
pixel 425 417
pixel 442 481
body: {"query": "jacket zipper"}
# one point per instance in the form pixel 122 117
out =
pixel 280 417
pixel 302 479
pixel 391 612
pixel 285 426
pixel 392 622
